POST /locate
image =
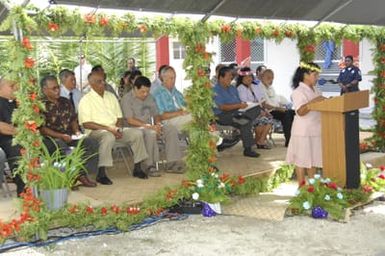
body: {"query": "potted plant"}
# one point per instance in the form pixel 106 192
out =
pixel 57 173
pixel 211 189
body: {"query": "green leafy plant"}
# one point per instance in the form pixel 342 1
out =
pixel 60 171
pixel 211 187
pixel 323 193
pixel 372 179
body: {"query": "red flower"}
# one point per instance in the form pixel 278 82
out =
pixel 382 60
pixel 74 209
pixel 207 56
pixel 90 19
pixel 36 109
pixel 310 48
pixel 186 183
pixel 258 30
pixel 276 32
pixel 89 209
pixel 241 180
pixel 381 176
pixel 303 182
pixel 383 74
pixel 31 125
pixel 211 169
pixel 310 189
pixel 225 177
pixel 103 211
pixel 289 33
pixel 332 185
pixel 103 21
pixel 133 210
pixel 142 28
pixel 33 96
pixel 29 62
pixel 171 194
pixel 115 209
pixel 36 143
pixel 212 159
pixel 34 163
pixel 26 43
pixel 32 177
pixel 226 28
pixel 382 167
pixel 382 47
pixel 199 48
pixel 53 26
pixel 367 189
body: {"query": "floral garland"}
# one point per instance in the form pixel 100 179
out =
pixel 59 21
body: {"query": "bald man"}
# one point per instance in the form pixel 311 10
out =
pixel 8 130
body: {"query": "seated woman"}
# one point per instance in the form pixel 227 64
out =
pixel 249 92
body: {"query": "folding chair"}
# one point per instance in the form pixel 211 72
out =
pixel 119 148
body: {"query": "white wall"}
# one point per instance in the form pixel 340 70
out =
pixel 366 65
pixel 283 59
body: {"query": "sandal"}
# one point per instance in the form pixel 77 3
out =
pixel 263 146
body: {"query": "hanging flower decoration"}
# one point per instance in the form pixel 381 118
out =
pixel 90 19
pixel 29 62
pixel 27 43
pixel 142 28
pixel 103 21
pixel 53 27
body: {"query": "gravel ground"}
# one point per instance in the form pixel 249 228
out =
pixel 363 235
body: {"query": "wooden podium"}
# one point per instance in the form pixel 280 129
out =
pixel 340 136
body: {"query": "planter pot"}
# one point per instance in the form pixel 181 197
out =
pixel 211 209
pixel 54 199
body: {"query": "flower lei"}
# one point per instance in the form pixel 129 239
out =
pixel 309 67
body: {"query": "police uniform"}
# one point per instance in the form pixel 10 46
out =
pixel 347 75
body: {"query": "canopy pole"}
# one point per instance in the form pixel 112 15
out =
pixel 216 7
pixel 333 12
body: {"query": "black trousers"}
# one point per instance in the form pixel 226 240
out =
pixel 242 121
pixel 13 155
pixel 91 147
pixel 286 119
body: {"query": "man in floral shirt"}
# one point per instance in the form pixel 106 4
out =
pixel 61 123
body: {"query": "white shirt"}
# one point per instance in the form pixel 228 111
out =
pixel 76 95
pixel 85 70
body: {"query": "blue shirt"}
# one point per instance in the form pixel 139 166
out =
pixel 168 101
pixel 347 75
pixel 76 95
pixel 225 95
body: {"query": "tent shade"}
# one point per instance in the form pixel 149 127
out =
pixel 368 12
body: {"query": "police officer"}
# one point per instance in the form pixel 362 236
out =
pixel 349 76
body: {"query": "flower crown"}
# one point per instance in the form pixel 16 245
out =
pixel 245 73
pixel 309 67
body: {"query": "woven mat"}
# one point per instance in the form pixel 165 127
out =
pixel 264 207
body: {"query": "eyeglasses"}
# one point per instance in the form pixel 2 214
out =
pixel 54 88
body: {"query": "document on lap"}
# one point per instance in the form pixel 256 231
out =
pixel 77 136
pixel 250 105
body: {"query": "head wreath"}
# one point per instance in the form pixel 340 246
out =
pixel 309 67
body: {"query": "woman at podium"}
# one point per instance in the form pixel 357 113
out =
pixel 305 149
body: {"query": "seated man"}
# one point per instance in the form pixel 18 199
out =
pixel 99 69
pixel 276 105
pixel 68 88
pixel 8 130
pixel 101 116
pixel 227 109
pixel 61 123
pixel 170 102
pixel 140 110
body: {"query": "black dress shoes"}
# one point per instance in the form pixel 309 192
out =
pixel 104 180
pixel 86 182
pixel 250 153
pixel 140 174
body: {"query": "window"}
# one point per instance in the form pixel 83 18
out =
pixel 227 52
pixel 179 51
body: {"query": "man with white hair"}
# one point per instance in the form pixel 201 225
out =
pixel 8 130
